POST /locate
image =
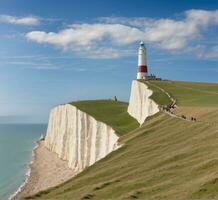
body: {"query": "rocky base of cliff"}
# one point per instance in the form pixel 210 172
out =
pixel 47 170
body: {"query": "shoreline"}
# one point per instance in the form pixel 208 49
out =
pixel 27 174
pixel 40 174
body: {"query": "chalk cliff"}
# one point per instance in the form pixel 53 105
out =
pixel 78 138
pixel 140 105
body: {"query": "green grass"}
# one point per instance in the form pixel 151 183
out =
pixel 158 96
pixel 113 113
pixel 191 94
pixel 166 158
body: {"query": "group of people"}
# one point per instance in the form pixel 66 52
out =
pixel 172 106
pixel 192 118
pixel 169 110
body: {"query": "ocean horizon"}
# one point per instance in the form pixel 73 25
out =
pixel 17 142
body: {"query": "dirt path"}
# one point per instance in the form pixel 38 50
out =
pixel 172 106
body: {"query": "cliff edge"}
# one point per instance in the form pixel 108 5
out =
pixel 78 137
pixel 140 104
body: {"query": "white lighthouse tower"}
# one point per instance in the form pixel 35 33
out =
pixel 142 62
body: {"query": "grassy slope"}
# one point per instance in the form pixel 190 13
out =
pixel 158 96
pixel 191 94
pixel 113 113
pixel 166 158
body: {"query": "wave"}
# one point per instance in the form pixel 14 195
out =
pixel 28 172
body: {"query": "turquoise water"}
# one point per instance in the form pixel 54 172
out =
pixel 16 144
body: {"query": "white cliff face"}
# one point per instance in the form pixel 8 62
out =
pixel 140 105
pixel 78 138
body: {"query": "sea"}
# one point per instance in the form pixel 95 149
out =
pixel 17 142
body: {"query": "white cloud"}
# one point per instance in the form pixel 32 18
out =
pixel 207 53
pixel 202 17
pixel 87 34
pixel 110 36
pixel 138 22
pixel 30 20
pixel 33 65
pixel 87 39
pixel 30 62
pixel 212 53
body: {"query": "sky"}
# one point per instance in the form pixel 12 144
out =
pixel 54 52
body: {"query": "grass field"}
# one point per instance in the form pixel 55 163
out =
pixel 191 94
pixel 165 158
pixel 158 96
pixel 113 113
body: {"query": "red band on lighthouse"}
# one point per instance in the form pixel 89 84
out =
pixel 142 69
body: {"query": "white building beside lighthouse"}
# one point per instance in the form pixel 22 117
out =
pixel 142 62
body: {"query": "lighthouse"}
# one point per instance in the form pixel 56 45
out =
pixel 142 62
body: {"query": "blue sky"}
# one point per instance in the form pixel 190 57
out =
pixel 53 52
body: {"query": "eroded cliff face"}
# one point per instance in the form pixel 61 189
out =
pixel 78 138
pixel 140 105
